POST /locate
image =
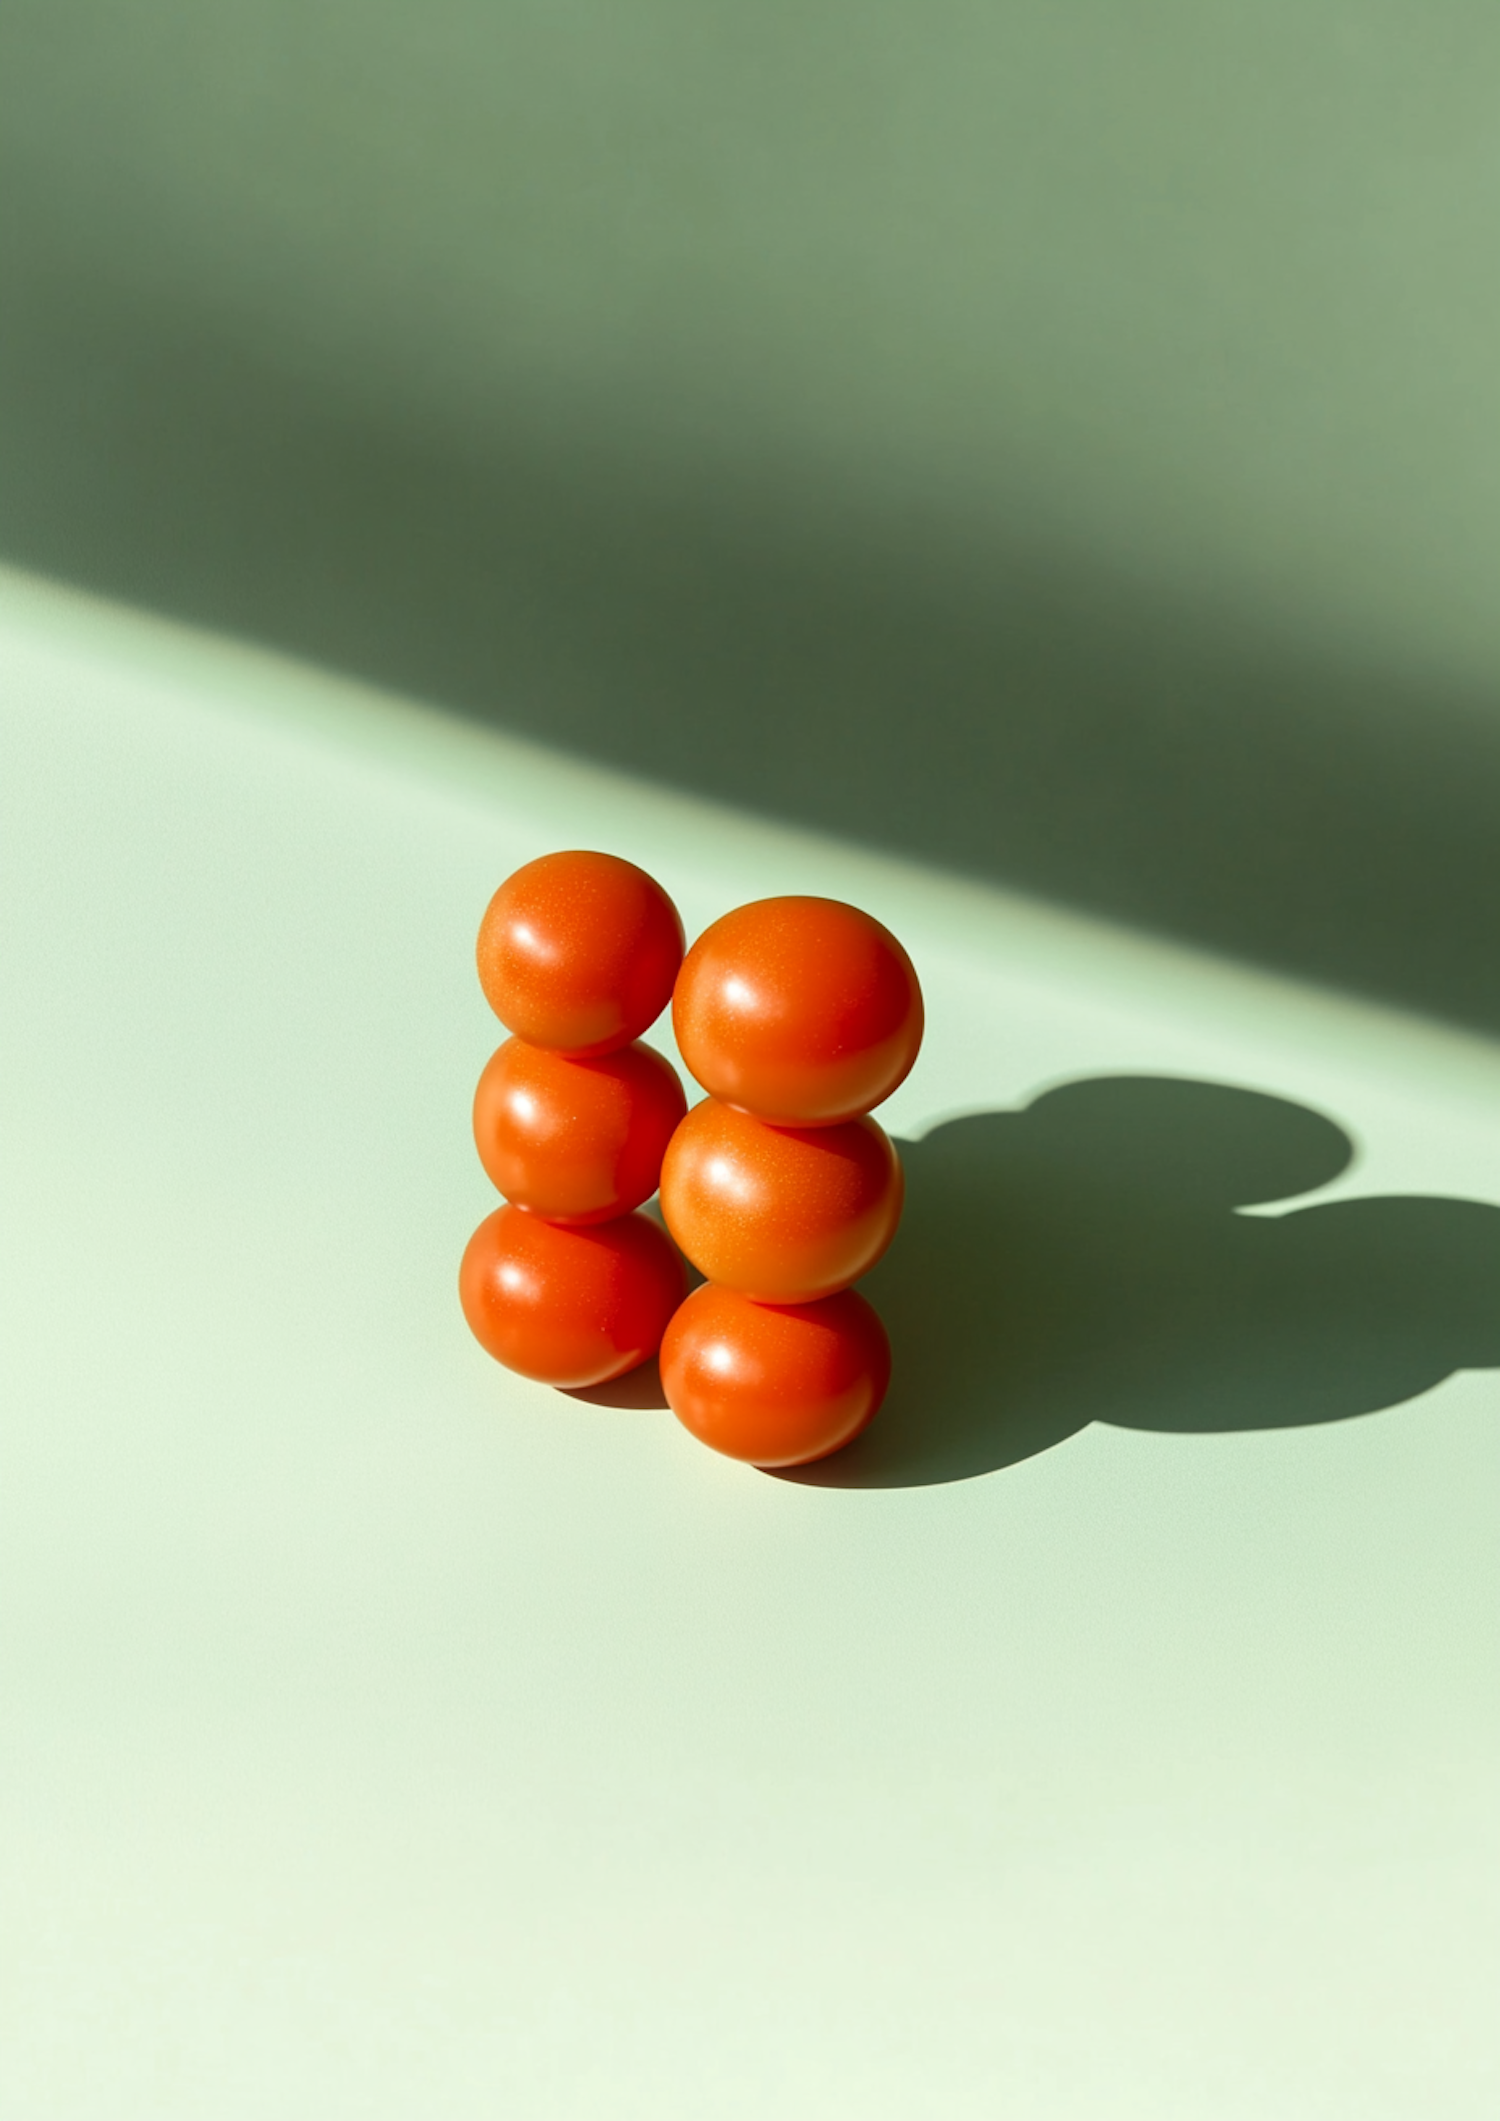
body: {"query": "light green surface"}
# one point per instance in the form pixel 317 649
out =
pixel 386 1737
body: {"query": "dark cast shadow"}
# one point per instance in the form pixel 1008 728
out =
pixel 974 691
pixel 1082 1260
pixel 639 1391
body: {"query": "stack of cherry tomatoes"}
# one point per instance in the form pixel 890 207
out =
pixel 796 1015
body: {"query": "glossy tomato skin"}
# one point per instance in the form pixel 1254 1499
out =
pixel 783 1214
pixel 569 1307
pixel 578 1141
pixel 775 1385
pixel 801 1010
pixel 578 951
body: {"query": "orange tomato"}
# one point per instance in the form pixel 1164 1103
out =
pixel 774 1385
pixel 784 1214
pixel 569 1307
pixel 578 952
pixel 578 1141
pixel 801 1010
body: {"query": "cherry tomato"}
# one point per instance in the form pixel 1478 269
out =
pixel 777 1385
pixel 784 1214
pixel 578 952
pixel 801 1010
pixel 578 1141
pixel 569 1307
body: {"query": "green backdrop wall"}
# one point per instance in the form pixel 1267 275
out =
pixel 1062 442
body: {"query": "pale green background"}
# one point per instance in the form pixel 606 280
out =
pixel 1063 440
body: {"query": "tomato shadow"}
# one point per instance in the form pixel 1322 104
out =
pixel 1083 1260
pixel 638 1391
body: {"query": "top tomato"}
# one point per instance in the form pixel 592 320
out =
pixel 801 1010
pixel 578 952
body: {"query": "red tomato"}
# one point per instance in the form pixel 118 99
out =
pixel 784 1214
pixel 578 1141
pixel 569 1307
pixel 777 1385
pixel 578 952
pixel 801 1010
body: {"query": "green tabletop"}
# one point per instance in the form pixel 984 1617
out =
pixel 1112 1733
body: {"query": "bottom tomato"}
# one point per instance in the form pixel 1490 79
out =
pixel 774 1384
pixel 569 1307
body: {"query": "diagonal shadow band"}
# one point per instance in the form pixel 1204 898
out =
pixel 972 693
pixel 1082 1261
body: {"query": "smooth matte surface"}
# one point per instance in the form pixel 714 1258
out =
pixel 1058 442
pixel 384 1736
